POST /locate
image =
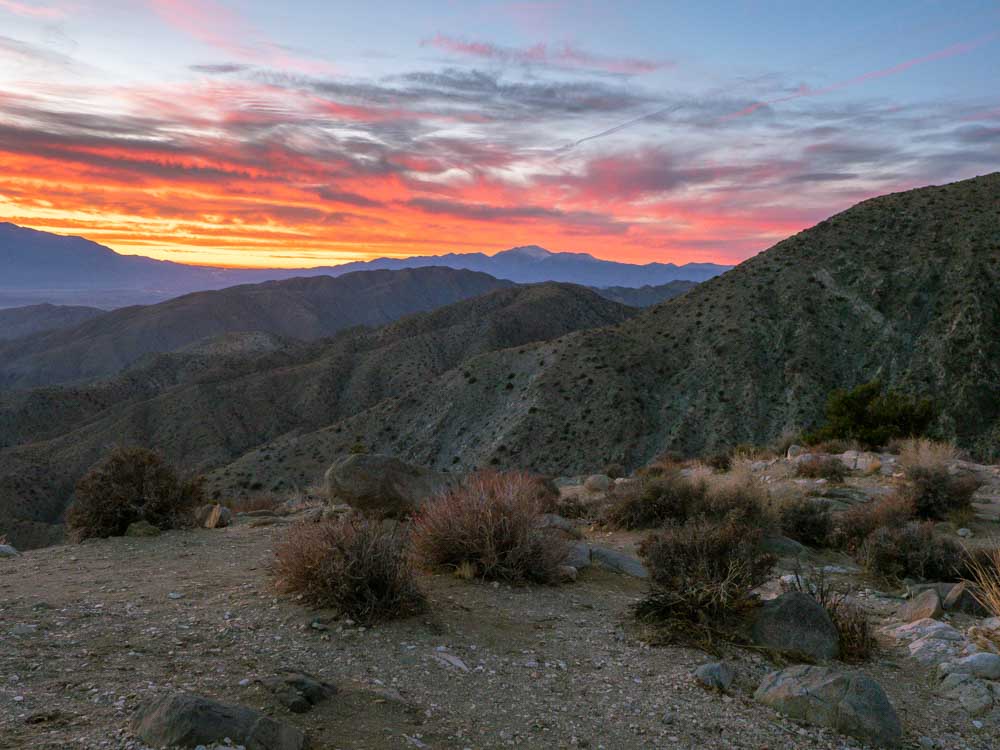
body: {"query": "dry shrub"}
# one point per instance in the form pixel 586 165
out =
pixel 924 453
pixel 360 567
pixel 854 628
pixel 491 523
pixel 912 551
pixel 132 484
pixel 807 521
pixel 738 497
pixel 935 493
pixel 822 467
pixel 702 573
pixel 856 523
pixel 983 569
pixel 653 501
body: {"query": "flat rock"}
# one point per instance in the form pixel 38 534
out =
pixel 188 720
pixel 852 704
pixel 618 562
pixel 926 604
pixel 796 624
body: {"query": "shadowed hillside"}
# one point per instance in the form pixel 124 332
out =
pixel 24 321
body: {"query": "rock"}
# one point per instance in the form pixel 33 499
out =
pixel 187 720
pixel 929 641
pixel 566 526
pixel 974 696
pixel 566 573
pixel 716 675
pixel 985 666
pixel 597 483
pixel 214 516
pixel 299 692
pixel 926 604
pixel 618 562
pixel 7 551
pixel 795 451
pixel 852 704
pixel 961 599
pixel 578 556
pixel 383 485
pixel 142 529
pixel 796 624
pixel 964 533
pixel 782 546
pixel 942 589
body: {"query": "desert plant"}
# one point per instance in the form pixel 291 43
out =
pixel 807 521
pixel 855 524
pixel 854 628
pixel 822 467
pixel 132 484
pixel 912 550
pixel 702 573
pixel 930 486
pixel 490 527
pixel 983 568
pixel 358 566
pixel 873 415
pixel 653 501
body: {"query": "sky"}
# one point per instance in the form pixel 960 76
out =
pixel 314 132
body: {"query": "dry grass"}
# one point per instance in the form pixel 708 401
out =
pixel 925 454
pixel 360 567
pixel 984 571
pixel 822 467
pixel 490 528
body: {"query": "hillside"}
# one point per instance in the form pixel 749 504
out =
pixel 203 412
pixel 905 287
pixel 647 296
pixel 24 321
pixel 306 308
pixel 40 267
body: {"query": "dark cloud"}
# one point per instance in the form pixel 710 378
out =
pixel 221 68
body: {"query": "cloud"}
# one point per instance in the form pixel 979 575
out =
pixel 31 10
pixel 220 68
pixel 33 54
pixel 564 56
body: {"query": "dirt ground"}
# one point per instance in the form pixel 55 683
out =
pixel 88 632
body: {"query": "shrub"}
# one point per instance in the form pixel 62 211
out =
pixel 984 570
pixel 360 567
pixel 131 484
pixel 873 416
pixel 653 501
pixel 806 521
pixel 855 524
pixel 854 628
pixel 912 551
pixel 822 467
pixel 490 527
pixel 702 572
pixel 934 492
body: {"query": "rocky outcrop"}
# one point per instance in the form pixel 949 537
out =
pixel 852 704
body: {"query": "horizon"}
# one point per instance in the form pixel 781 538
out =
pixel 181 130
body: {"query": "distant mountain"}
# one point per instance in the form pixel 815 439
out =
pixel 213 402
pixel 647 296
pixel 42 267
pixel 305 308
pixel 24 321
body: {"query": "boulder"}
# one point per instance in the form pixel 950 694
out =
pixel 926 604
pixel 796 624
pixel 578 556
pixel 715 675
pixel 298 692
pixel 852 704
pixel 782 546
pixel 383 485
pixel 188 720
pixel 618 562
pixel 961 599
pixel 142 529
pixel 984 665
pixel 214 516
pixel 929 641
pixel 7 551
pixel 597 483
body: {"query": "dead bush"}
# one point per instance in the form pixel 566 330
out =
pixel 702 573
pixel 653 501
pixel 807 521
pixel 132 484
pixel 912 550
pixel 358 566
pixel 822 467
pixel 490 528
pixel 854 525
pixel 983 568
pixel 935 493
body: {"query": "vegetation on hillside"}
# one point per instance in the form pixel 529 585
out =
pixel 873 415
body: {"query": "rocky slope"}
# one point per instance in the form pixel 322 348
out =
pixel 16 322
pixel 305 308
pixel 905 287
pixel 204 411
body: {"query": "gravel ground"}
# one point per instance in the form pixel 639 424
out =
pixel 87 632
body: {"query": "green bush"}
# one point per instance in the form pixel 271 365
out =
pixel 873 415
pixel 807 521
pixel 131 484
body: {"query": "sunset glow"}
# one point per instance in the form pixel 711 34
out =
pixel 232 133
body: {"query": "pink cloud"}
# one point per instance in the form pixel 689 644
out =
pixel 562 55
pixel 33 11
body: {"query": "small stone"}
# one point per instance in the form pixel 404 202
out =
pixel 964 533
pixel 566 573
pixel 715 676
pixel 175 595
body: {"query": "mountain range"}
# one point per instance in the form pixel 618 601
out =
pixel 40 267
pixel 555 378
